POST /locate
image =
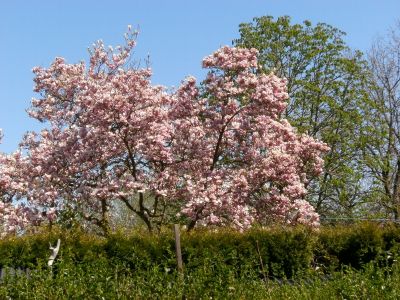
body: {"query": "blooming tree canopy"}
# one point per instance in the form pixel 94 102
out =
pixel 239 160
pixel 217 153
pixel 108 136
pixel 14 214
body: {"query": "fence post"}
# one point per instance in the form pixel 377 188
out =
pixel 178 248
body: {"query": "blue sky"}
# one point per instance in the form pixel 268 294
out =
pixel 176 35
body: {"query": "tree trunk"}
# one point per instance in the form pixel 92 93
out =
pixel 396 192
pixel 105 218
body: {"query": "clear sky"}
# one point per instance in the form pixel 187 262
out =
pixel 176 35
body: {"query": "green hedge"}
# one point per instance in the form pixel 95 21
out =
pixel 356 245
pixel 258 253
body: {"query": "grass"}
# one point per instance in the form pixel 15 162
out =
pixel 100 280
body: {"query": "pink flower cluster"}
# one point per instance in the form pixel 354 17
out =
pixel 223 154
pixel 228 58
pixel 238 160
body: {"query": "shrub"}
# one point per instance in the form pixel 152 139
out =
pixel 258 253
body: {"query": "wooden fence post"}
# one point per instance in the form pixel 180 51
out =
pixel 178 248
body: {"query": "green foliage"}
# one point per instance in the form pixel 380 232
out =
pixel 354 245
pixel 141 250
pixel 327 85
pixel 98 280
pixel 265 253
pixel 360 262
pixel 283 253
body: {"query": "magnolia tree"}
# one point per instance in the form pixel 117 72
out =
pixel 238 162
pixel 215 154
pixel 15 215
pixel 107 140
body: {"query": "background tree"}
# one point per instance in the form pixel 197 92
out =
pixel 381 134
pixel 326 86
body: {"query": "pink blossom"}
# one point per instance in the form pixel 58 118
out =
pixel 222 154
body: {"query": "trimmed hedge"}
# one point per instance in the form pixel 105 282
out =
pixel 258 253
pixel 356 245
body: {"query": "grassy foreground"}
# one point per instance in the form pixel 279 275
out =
pixel 98 281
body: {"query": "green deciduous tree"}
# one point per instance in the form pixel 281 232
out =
pixel 327 87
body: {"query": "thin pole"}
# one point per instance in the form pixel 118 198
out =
pixel 178 248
